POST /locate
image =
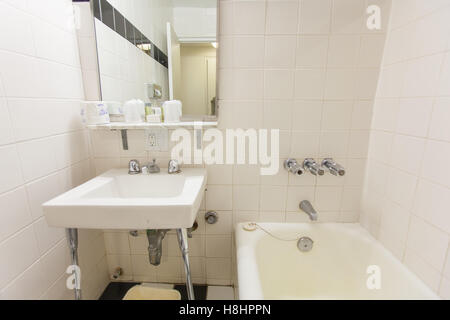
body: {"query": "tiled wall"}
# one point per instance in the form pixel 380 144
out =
pixel 309 68
pixel 43 151
pixel 406 196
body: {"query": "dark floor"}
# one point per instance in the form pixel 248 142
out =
pixel 117 290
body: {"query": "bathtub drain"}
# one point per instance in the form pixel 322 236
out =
pixel 305 244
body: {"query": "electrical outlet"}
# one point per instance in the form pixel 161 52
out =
pixel 157 139
pixel 152 140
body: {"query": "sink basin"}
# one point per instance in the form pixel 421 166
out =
pixel 117 200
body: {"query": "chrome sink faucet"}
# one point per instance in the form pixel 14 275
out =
pixel 151 168
pixel 173 167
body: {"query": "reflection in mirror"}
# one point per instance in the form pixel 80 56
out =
pixel 152 51
pixel 192 47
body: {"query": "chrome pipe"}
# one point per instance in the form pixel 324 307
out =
pixel 183 243
pixel 72 240
pixel 307 208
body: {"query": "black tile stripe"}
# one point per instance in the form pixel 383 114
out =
pixel 111 17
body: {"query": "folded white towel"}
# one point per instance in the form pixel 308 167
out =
pixel 172 111
pixel 95 112
pixel 134 111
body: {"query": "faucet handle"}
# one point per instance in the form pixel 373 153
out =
pixel 334 168
pixel 134 167
pixel 311 165
pixel 173 167
pixel 292 165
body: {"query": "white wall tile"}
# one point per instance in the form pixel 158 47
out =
pixel 272 198
pixel 343 50
pixel 11 171
pixel 429 242
pixel 47 236
pixel 337 115
pixel 19 38
pixel 218 246
pixel 309 83
pixel 245 198
pixel 219 198
pixel 315 16
pixel 333 144
pixel 304 144
pixel 430 203
pixel 401 187
pixel 248 51
pixel 63 47
pixel 220 174
pixel 413 116
pixel 6 133
pixel 280 51
pixel 347 16
pixel 430 36
pixel 14 212
pixel 116 243
pixel 371 51
pixel 248 17
pixel 436 154
pixel 38 158
pixel 405 147
pixel 438 128
pixel 429 275
pixel 23 242
pixel 277 114
pixel 423 68
pixel 340 84
pixel 307 115
pixel 278 84
pixel 282 17
pixel 328 198
pixel 248 84
pixel 312 51
pixel 246 174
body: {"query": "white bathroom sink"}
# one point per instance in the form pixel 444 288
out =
pixel 117 200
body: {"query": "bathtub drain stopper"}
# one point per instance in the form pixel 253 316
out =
pixel 305 244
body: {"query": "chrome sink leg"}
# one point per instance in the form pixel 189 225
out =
pixel 183 242
pixel 72 239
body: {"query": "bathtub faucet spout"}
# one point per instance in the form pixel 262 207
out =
pixel 307 207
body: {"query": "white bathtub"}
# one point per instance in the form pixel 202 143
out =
pixel 336 267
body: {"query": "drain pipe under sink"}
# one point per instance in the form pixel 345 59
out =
pixel 155 238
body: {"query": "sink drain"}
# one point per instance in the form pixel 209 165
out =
pixel 305 244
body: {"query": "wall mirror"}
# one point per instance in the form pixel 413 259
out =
pixel 170 43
